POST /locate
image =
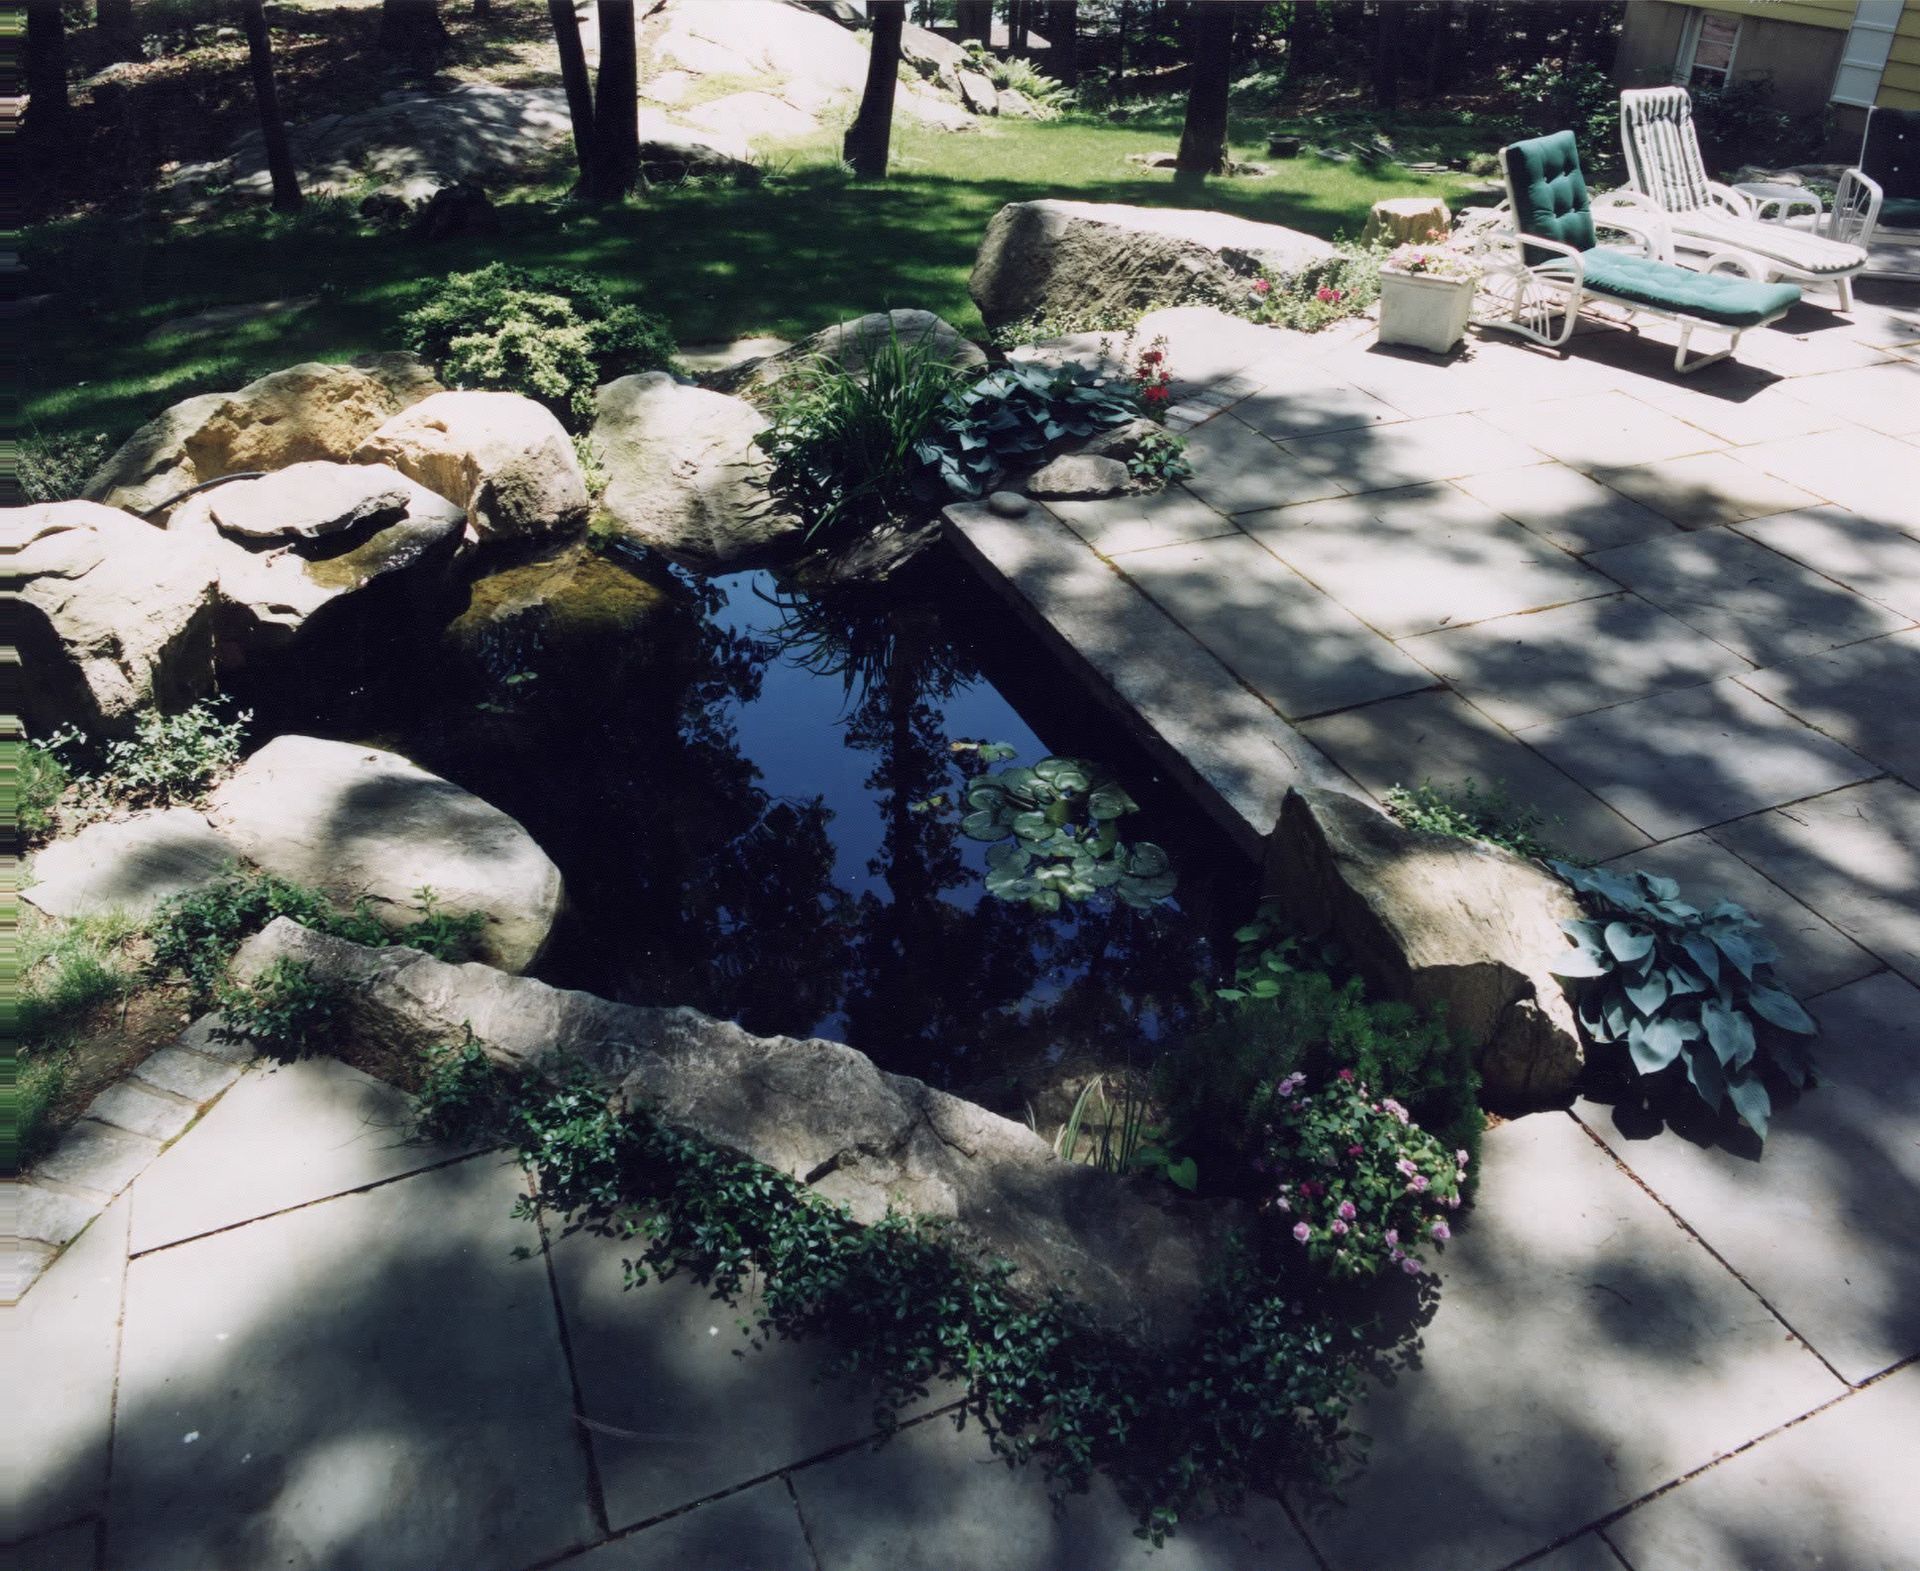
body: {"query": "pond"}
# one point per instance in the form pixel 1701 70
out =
pixel 752 795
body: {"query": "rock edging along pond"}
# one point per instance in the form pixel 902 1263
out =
pixel 1133 1252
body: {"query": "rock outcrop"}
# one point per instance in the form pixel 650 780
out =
pixel 309 411
pixel 1074 475
pixel 360 823
pixel 128 865
pixel 311 501
pixel 850 344
pixel 1135 1253
pixel 1437 921
pixel 683 475
pixel 503 458
pixel 1076 256
pixel 110 616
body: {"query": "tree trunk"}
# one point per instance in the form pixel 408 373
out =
pixel 870 134
pixel 119 36
pixel 273 129
pixel 573 73
pixel 46 73
pixel 412 27
pixel 1302 23
pixel 1203 140
pixel 974 19
pixel 616 106
pixel 1439 49
pixel 1063 34
pixel 1386 55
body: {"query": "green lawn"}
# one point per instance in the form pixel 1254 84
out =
pixel 804 250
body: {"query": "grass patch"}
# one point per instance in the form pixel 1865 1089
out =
pixel 805 249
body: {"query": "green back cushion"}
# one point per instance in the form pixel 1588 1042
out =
pixel 1550 193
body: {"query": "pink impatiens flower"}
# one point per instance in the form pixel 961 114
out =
pixel 1418 1183
pixel 1459 1159
pixel 1410 1265
pixel 1405 1168
pixel 1441 1232
pixel 1347 1212
pixel 1302 1232
pixel 1355 1150
pixel 1394 1108
pixel 1393 1235
pixel 1340 1228
pixel 1347 1075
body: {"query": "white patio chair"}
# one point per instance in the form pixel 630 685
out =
pixel 1706 217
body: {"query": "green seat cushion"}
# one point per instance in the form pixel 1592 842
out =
pixel 1902 212
pixel 1549 193
pixel 1713 297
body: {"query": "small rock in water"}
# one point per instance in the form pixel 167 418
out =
pixel 1079 475
pixel 1008 504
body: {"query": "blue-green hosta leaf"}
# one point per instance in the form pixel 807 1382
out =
pixel 1730 1032
pixel 1751 1102
pixel 1704 955
pixel 1791 1058
pixel 1654 1044
pixel 1628 942
pixel 1734 945
pixel 1782 1009
pixel 1678 910
pixel 1614 1013
pixel 1708 1078
pixel 1683 981
pixel 1661 887
pixel 1582 962
pixel 1648 994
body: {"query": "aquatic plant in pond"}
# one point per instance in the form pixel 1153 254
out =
pixel 1059 822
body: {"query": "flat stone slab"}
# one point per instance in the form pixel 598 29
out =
pixel 1736 591
pixel 1237 470
pixel 285 1136
pixel 1602 431
pixel 1743 406
pixel 1296 647
pixel 1546 665
pixel 48 1216
pixel 1585 1351
pixel 376 1383
pixel 1883 397
pixel 61 1344
pixel 1862 696
pixel 1835 1491
pixel 1309 400
pixel 187 1074
pixel 1863 470
pixel 1490 372
pixel 681 1404
pixel 1706 489
pixel 1871 558
pixel 1683 761
pixel 97 1157
pixel 131 1105
pixel 1234 752
pixel 1588 1552
pixel 880 1510
pixel 1439 737
pixel 1814 955
pixel 128 865
pixel 1852 855
pixel 70 1549
pixel 1388 457
pixel 1825 1223
pixel 1574 511
pixel 1424 557
pixel 1141 523
pixel 757 1529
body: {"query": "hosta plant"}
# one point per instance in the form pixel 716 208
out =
pixel 1012 415
pixel 1682 986
pixel 1358 1185
pixel 1058 822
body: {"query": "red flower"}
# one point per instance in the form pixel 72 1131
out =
pixel 1152 357
pixel 1346 1074
pixel 1262 286
pixel 1156 394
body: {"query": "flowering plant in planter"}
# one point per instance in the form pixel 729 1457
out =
pixel 1435 259
pixel 1356 1183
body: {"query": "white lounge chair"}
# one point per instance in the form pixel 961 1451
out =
pixel 1706 217
pixel 1542 259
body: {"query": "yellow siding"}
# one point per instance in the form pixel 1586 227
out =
pixel 1809 13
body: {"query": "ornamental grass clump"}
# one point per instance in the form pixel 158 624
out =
pixel 1687 991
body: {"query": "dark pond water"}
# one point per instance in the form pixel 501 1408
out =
pixel 740 787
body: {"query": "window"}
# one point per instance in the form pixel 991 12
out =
pixel 1706 50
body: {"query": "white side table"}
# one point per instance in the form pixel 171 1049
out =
pixel 1778 203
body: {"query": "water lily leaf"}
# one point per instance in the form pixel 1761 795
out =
pixel 1044 900
pixel 1654 1044
pixel 1782 1009
pixel 1751 1102
pixel 1147 860
pixel 1730 1032
pixel 1109 802
pixel 1627 942
pixel 984 826
pixel 1017 857
pixel 1063 774
pixel 1032 826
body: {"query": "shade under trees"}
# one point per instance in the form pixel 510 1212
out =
pixel 412 27
pixel 119 35
pixel 273 127
pixel 1203 138
pixel 871 134
pixel 606 116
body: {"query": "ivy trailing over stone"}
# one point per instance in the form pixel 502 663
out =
pixel 1259 1391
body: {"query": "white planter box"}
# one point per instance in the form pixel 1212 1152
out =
pixel 1424 312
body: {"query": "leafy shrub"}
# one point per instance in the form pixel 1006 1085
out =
pixel 1739 123
pixel 32 781
pixel 1680 985
pixel 194 934
pixel 1355 1182
pixel 1044 92
pixel 169 759
pixel 1281 1019
pixel 550 334
pixel 288 1008
pixel 1551 96
pixel 57 468
pixel 1160 458
pixel 1345 285
pixel 1468 813
pixel 1052 323
pixel 842 444
pixel 1260 1389
pixel 1012 415
pixel 1060 824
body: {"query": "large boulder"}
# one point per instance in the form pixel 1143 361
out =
pixel 935 58
pixel 1078 256
pixel 1437 921
pixel 304 412
pixel 271 589
pixel 850 344
pixel 128 865
pixel 503 458
pixel 362 824
pixel 1135 1253
pixel 683 475
pixel 109 614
